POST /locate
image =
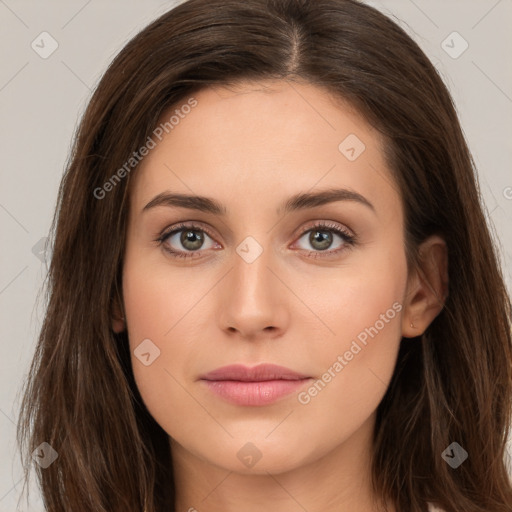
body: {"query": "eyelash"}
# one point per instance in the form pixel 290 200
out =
pixel 348 239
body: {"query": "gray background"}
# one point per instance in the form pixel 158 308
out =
pixel 41 101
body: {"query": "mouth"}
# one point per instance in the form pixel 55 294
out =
pixel 256 386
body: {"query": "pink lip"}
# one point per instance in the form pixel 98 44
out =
pixel 259 385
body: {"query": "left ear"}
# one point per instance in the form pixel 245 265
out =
pixel 427 287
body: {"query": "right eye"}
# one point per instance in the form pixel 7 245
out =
pixel 190 237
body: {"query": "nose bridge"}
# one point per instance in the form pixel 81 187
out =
pixel 254 301
pixel 251 268
pixel 251 271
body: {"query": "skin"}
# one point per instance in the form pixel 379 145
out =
pixel 251 148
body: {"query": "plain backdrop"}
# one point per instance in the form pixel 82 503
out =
pixel 42 99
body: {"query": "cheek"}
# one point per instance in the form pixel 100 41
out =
pixel 148 305
pixel 355 369
pixel 161 309
pixel 144 300
pixel 157 299
pixel 364 300
pixel 356 360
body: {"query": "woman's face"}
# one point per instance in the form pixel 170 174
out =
pixel 261 283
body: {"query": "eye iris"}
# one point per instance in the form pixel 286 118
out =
pixel 324 238
pixel 191 237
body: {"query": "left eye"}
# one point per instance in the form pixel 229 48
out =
pixel 321 238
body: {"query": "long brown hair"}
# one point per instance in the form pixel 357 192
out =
pixel 453 384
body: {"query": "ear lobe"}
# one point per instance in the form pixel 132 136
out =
pixel 427 289
pixel 118 319
pixel 117 325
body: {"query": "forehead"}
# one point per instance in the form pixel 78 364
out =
pixel 262 141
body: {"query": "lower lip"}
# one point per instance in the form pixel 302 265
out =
pixel 254 393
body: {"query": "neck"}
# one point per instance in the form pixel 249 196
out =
pixel 337 481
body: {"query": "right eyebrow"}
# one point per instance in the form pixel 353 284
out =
pixel 199 203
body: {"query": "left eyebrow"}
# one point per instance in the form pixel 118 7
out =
pixel 306 200
pixel 299 201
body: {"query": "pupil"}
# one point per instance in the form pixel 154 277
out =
pixel 191 240
pixel 323 238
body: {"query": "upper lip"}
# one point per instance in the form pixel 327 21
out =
pixel 259 373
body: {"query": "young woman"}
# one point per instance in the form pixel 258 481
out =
pixel 272 284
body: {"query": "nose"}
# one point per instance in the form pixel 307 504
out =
pixel 254 300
